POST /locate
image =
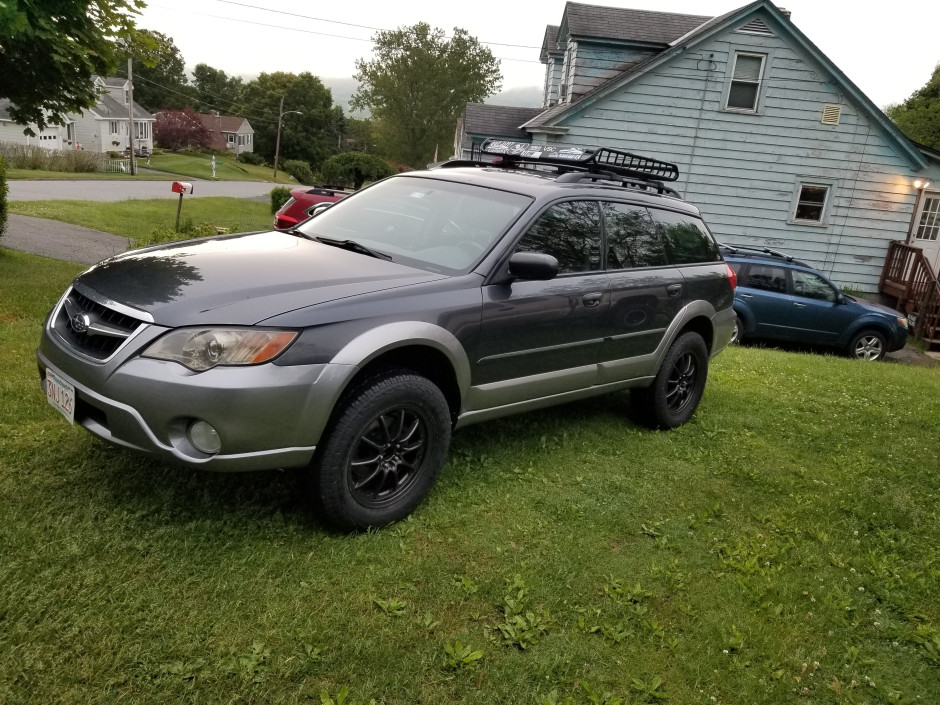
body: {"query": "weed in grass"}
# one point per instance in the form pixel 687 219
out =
pixel 459 656
pixel 392 607
pixel 596 698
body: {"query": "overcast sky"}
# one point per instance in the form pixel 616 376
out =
pixel 887 49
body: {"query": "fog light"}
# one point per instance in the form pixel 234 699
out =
pixel 204 437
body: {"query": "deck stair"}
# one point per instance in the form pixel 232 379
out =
pixel 907 275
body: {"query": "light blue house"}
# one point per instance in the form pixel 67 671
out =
pixel 773 142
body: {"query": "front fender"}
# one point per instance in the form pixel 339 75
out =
pixel 364 348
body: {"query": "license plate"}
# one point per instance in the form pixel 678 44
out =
pixel 61 394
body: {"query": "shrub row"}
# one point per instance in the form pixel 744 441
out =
pixel 18 156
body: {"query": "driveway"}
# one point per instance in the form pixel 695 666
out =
pixel 43 190
pixel 51 238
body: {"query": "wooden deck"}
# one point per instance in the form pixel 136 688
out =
pixel 908 277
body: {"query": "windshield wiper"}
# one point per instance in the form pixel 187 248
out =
pixel 353 246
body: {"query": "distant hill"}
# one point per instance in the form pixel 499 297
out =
pixel 522 97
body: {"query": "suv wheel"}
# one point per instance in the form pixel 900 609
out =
pixel 737 334
pixel 383 451
pixel 868 345
pixel 675 393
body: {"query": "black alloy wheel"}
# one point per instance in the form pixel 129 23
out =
pixel 382 451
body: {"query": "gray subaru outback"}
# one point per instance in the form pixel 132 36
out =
pixel 352 346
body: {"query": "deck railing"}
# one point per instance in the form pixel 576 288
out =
pixel 908 275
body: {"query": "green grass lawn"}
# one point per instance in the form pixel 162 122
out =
pixel 782 547
pixel 173 166
pixel 227 168
pixel 137 219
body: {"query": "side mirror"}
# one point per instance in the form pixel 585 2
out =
pixel 534 266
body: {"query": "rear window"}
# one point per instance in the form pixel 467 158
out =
pixel 685 237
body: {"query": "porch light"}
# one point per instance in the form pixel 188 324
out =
pixel 921 183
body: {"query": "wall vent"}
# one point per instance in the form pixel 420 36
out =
pixel 831 114
pixel 756 26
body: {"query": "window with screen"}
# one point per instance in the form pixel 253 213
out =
pixel 811 203
pixel 745 82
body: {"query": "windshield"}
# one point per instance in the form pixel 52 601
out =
pixel 427 223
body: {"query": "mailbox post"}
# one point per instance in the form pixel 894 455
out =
pixel 181 187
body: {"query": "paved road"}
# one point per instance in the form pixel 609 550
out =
pixel 42 190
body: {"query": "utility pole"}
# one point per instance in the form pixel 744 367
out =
pixel 277 144
pixel 130 113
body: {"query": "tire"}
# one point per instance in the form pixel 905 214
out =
pixel 675 393
pixel 382 452
pixel 737 335
pixel 868 345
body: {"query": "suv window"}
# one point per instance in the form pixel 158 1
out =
pixel 766 277
pixel 571 233
pixel 812 286
pixel 685 237
pixel 632 240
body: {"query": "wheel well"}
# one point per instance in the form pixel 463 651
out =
pixel 422 360
pixel 703 327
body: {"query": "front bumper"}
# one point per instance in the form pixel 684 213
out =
pixel 267 416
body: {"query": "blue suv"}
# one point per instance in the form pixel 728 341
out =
pixel 780 298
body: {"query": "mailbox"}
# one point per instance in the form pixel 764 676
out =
pixel 182 187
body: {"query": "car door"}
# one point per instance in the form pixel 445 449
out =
pixel 815 316
pixel 762 292
pixel 646 292
pixel 543 337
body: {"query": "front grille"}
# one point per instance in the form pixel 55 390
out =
pixel 91 328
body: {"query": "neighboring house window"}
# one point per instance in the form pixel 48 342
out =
pixel 114 127
pixel 230 138
pixel 929 226
pixel 745 82
pixel 811 203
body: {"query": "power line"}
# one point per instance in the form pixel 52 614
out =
pixel 350 24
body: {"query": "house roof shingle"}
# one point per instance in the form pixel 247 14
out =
pixel 625 24
pixel 549 41
pixel 222 123
pixel 497 120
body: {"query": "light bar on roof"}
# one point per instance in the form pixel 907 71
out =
pixel 548 152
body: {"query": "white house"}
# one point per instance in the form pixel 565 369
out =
pixel 53 137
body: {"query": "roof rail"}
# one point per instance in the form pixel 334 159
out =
pixel 762 250
pixel 599 159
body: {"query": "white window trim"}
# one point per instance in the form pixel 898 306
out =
pixel 828 184
pixel 759 102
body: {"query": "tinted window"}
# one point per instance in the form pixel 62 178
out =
pixel 765 276
pixel 632 240
pixel 812 286
pixel 571 233
pixel 686 239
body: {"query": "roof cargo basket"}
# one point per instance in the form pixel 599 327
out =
pixel 605 159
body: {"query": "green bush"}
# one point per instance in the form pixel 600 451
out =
pixel 355 168
pixel 3 196
pixel 250 158
pixel 279 196
pixel 300 170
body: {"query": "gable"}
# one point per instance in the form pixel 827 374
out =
pixel 754 25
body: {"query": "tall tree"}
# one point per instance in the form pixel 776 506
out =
pixel 918 117
pixel 215 90
pixel 418 83
pixel 160 79
pixel 311 134
pixel 49 52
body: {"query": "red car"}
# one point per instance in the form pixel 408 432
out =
pixel 297 208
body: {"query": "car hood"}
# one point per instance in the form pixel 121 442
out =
pixel 241 279
pixel 877 308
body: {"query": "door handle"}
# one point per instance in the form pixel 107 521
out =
pixel 673 289
pixel 799 305
pixel 746 296
pixel 592 299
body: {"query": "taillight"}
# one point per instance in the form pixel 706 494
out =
pixel 284 222
pixel 732 277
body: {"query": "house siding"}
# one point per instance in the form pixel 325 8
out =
pixel 741 169
pixel 595 65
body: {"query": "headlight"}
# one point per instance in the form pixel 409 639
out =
pixel 902 321
pixel 202 349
